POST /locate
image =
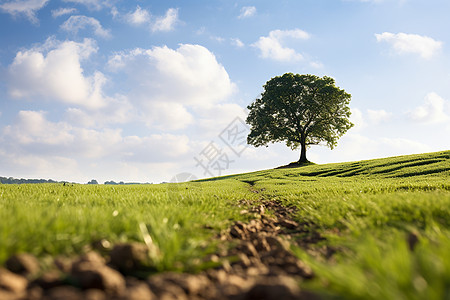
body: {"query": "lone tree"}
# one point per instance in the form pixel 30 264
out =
pixel 301 110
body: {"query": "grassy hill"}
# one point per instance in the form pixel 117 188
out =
pixel 375 229
pixel 372 213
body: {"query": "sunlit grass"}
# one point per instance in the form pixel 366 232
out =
pixel 366 210
pixel 51 219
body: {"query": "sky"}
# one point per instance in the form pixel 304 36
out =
pixel 152 91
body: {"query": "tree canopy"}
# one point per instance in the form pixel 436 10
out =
pixel 300 110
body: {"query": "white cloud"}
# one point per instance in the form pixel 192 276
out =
pixel 142 16
pixel 272 46
pixel 211 120
pixel 156 147
pixel 371 117
pixel 167 116
pixel 138 17
pixel 201 30
pixel 187 75
pixel 24 7
pixel 53 71
pixel 357 119
pixel 355 146
pixel 63 11
pixel 114 12
pixel 403 43
pixel 35 166
pixel 218 39
pixel 118 111
pixel 434 110
pixel 35 147
pixel 165 83
pixel 32 127
pixel 237 42
pixel 166 23
pixel 316 64
pixel 378 116
pixel 33 134
pixel 92 4
pixel 76 23
pixel 247 11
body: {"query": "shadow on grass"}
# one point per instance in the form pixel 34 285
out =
pixel 296 164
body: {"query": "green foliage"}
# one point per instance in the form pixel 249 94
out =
pixel 300 110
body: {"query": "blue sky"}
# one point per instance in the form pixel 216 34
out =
pixel 145 90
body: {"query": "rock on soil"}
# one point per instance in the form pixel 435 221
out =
pixel 10 282
pixel 90 272
pixel 23 264
pixel 127 257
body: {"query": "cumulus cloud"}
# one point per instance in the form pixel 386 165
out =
pixel 32 134
pixel 166 82
pixel 63 11
pixel 188 75
pixel 167 22
pixel 357 119
pixel 272 46
pixel 24 7
pixel 142 16
pixel 435 110
pixel 118 111
pixel 247 11
pixel 76 23
pixel 211 120
pixel 403 43
pixel 53 71
pixel 156 147
pixel 138 17
pixel 35 166
pixel 167 116
pixel 32 127
pixel 378 116
pixel 362 120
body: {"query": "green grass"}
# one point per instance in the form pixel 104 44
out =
pixel 366 210
pixel 51 219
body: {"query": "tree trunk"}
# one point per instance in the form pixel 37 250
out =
pixel 303 153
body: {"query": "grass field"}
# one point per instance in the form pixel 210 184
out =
pixel 369 210
pixel 370 213
pixel 52 219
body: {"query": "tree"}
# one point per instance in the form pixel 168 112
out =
pixel 301 110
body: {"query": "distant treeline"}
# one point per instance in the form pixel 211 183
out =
pixel 11 180
pixel 123 183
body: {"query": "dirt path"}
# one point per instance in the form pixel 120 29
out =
pixel 258 265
